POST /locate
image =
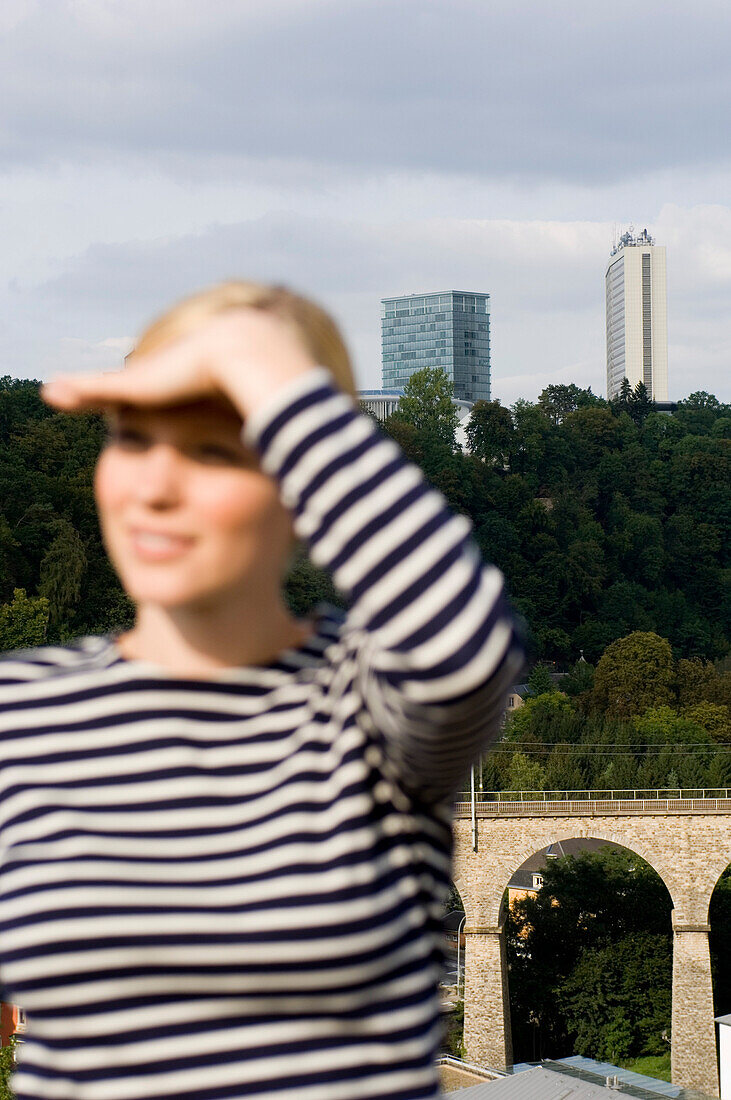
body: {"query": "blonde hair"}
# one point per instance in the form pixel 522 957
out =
pixel 319 332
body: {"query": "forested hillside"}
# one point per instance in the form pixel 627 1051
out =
pixel 641 719
pixel 55 581
pixel 605 519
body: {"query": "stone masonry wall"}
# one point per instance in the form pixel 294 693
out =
pixel 688 850
pixel 487 1003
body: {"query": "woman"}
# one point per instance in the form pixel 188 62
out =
pixel 226 833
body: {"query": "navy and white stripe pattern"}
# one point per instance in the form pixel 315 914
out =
pixel 231 888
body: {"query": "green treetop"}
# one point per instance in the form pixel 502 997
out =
pixel 634 673
pixel 428 404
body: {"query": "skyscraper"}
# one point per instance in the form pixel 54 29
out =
pixel 450 330
pixel 637 316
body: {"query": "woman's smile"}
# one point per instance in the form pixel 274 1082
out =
pixel 157 546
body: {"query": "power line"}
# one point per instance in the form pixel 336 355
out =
pixel 626 745
pixel 594 750
pixel 608 752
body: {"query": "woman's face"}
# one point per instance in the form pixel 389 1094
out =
pixel 187 515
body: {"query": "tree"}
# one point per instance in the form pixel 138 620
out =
pixel 61 572
pixel 454 901
pixel 553 642
pixel 453 1042
pixel 622 401
pixel 7 1068
pixel 617 1000
pixel 662 723
pixel 641 404
pixel 557 401
pixel 587 903
pixel 602 527
pixel 539 681
pixel 592 433
pixel 535 720
pixel 563 772
pixel 699 412
pixel 9 546
pixel 499 542
pixel 700 399
pixel 634 673
pixel 489 432
pixel 427 404
pixel 694 681
pixel 712 717
pixel 531 453
pixel 579 680
pixel 24 622
pixel 525 774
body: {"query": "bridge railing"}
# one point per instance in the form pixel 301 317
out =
pixel 618 794
pixel 582 803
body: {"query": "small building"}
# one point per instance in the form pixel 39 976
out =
pixel 518 695
pixel 520 692
pixel 12 1022
pixel 380 403
pixel 384 403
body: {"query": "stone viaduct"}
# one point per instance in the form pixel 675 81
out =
pixel 688 843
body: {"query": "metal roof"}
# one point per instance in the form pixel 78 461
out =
pixel 380 393
pixel 535 1084
pixel 626 1076
pixel 574 1078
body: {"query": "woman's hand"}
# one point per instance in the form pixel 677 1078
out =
pixel 244 355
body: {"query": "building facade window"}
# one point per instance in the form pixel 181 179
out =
pixel 460 344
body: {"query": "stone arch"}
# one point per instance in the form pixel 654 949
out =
pixel 662 903
pixel 460 884
pixel 524 851
pixel 715 868
pixel 726 867
pixel 719 920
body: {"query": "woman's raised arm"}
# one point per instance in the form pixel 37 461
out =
pixel 429 638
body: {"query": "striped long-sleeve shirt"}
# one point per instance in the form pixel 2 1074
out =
pixel 231 887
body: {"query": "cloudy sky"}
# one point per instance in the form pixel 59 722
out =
pixel 363 148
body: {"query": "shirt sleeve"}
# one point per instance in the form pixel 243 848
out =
pixel 429 638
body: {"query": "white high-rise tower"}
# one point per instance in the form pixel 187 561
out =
pixel 637 316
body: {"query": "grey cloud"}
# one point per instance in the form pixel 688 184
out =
pixel 564 91
pixel 546 279
pixel 112 290
pixel 330 257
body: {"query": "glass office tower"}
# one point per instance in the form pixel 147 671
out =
pixel 449 330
